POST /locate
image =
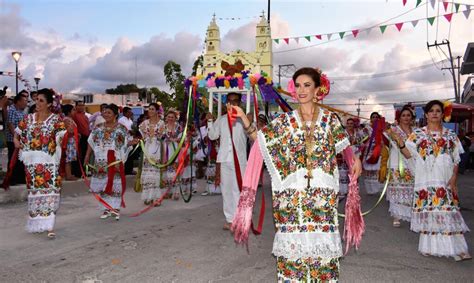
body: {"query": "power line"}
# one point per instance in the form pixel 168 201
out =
pixel 382 103
pixel 394 89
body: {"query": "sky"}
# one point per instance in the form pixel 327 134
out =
pixel 88 46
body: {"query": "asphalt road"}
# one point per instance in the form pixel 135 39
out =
pixel 184 242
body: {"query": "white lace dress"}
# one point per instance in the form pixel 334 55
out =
pixel 402 179
pixel 151 176
pixel 436 215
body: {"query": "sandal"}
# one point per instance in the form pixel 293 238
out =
pixel 462 256
pixel 117 215
pixel 51 235
pixel 396 223
pixel 106 214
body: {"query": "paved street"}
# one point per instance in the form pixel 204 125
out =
pixel 181 242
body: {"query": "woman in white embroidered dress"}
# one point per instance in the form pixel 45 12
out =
pixel 171 138
pixel 371 169
pixel 436 215
pixel 299 149
pixel 152 131
pixel 109 142
pixel 39 138
pixel 402 179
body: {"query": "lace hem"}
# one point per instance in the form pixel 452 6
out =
pixel 442 245
pixel 98 185
pixel 301 245
pixel 40 224
pixel 400 211
pixel 401 194
pixel 150 193
pixel 438 222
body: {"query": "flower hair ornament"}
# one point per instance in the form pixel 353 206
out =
pixel 448 109
pixel 324 88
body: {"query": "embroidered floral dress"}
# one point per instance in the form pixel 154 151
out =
pixel 435 213
pixel 170 141
pixel 71 150
pixel 370 171
pixel 402 180
pixel 102 140
pixel 41 155
pixel 151 177
pixel 307 243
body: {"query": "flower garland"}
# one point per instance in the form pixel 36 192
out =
pixel 239 80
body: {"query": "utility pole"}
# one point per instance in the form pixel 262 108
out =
pixel 458 83
pixel 358 105
pixel 446 42
pixel 268 12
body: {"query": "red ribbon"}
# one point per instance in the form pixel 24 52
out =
pixel 111 171
pixel 231 117
pixel 379 128
pixel 6 181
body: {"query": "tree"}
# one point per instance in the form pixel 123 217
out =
pixel 175 79
pixel 123 89
pixel 163 97
pixel 198 63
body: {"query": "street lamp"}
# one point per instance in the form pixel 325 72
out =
pixel 37 80
pixel 16 56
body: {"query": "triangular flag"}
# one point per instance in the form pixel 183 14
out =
pixel 431 20
pixel 445 5
pixel 382 28
pixel 404 2
pixel 318 36
pixel 341 34
pixel 355 32
pixel 457 5
pixel 287 40
pixel 399 26
pixel 414 23
pixel 297 39
pixel 467 12
pixel 277 41
pixel 432 2
pixel 448 16
pixel 418 2
pixel 308 38
pixel 329 36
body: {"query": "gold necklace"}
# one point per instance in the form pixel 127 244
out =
pixel 309 143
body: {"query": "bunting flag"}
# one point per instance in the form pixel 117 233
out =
pixel 418 2
pixel 467 12
pixel 383 28
pixel 432 2
pixel 449 16
pixel 431 20
pixel 404 2
pixel 457 5
pixel 445 5
pixel 399 26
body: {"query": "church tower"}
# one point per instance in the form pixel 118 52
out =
pixel 263 47
pixel 213 42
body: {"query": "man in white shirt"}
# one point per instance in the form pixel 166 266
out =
pixel 220 130
pixel 126 119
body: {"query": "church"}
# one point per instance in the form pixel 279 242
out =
pixel 255 62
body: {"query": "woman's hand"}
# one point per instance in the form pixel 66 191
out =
pixel 356 169
pixel 235 110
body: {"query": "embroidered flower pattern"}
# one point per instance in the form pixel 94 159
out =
pixel 435 145
pixel 304 270
pixel 286 139
pixel 435 198
pixel 40 136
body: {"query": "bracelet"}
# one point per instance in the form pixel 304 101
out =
pixel 402 147
pixel 251 130
pixel 247 128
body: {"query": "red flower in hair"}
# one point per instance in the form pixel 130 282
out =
pixel 325 86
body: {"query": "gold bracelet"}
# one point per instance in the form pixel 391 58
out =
pixel 251 130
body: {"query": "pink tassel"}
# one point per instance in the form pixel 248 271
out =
pixel 354 225
pixel 243 217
